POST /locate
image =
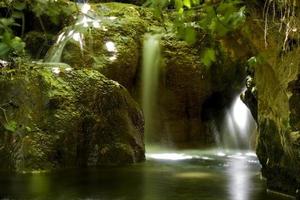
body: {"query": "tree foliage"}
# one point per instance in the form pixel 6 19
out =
pixel 11 43
pixel 214 17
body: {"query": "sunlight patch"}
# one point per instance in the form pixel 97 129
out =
pixel 169 156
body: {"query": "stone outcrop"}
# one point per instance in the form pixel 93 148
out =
pixel 53 116
pixel 278 122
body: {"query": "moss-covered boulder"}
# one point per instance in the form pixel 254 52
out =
pixel 53 116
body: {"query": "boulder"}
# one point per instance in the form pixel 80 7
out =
pixel 53 116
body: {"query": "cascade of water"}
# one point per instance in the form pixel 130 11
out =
pixel 237 127
pixel 86 18
pixel 150 80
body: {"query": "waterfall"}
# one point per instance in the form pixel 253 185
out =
pixel 150 81
pixel 74 33
pixel 86 19
pixel 237 127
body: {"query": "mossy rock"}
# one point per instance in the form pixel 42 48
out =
pixel 277 84
pixel 57 117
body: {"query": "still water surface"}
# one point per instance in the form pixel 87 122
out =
pixel 166 175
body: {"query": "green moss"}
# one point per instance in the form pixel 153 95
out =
pixel 56 116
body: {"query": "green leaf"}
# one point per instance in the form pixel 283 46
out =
pixel 19 5
pixel 28 129
pixel 6 37
pixel 17 44
pixel 5 22
pixel 11 126
pixel 17 15
pixel 179 5
pixel 4 49
pixel 208 57
pixel 187 3
pixel 190 35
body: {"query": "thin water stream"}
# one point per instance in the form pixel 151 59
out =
pixel 150 82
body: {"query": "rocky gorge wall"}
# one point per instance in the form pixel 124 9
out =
pixel 276 81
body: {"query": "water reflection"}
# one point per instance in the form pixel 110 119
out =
pixel 169 156
pixel 225 175
pixel 194 175
pixel 39 184
pixel 239 178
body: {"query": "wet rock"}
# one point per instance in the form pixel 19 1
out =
pixel 53 116
pixel 277 83
pixel 249 96
pixel 187 85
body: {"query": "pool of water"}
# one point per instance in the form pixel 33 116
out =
pixel 166 175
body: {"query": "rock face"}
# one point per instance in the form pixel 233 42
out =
pixel 186 86
pixel 53 116
pixel 114 46
pixel 278 121
pixel 278 112
pixel 249 96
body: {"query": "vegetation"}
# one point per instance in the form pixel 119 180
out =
pixel 215 18
pixel 11 43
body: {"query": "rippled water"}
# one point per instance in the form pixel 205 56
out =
pixel 167 175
